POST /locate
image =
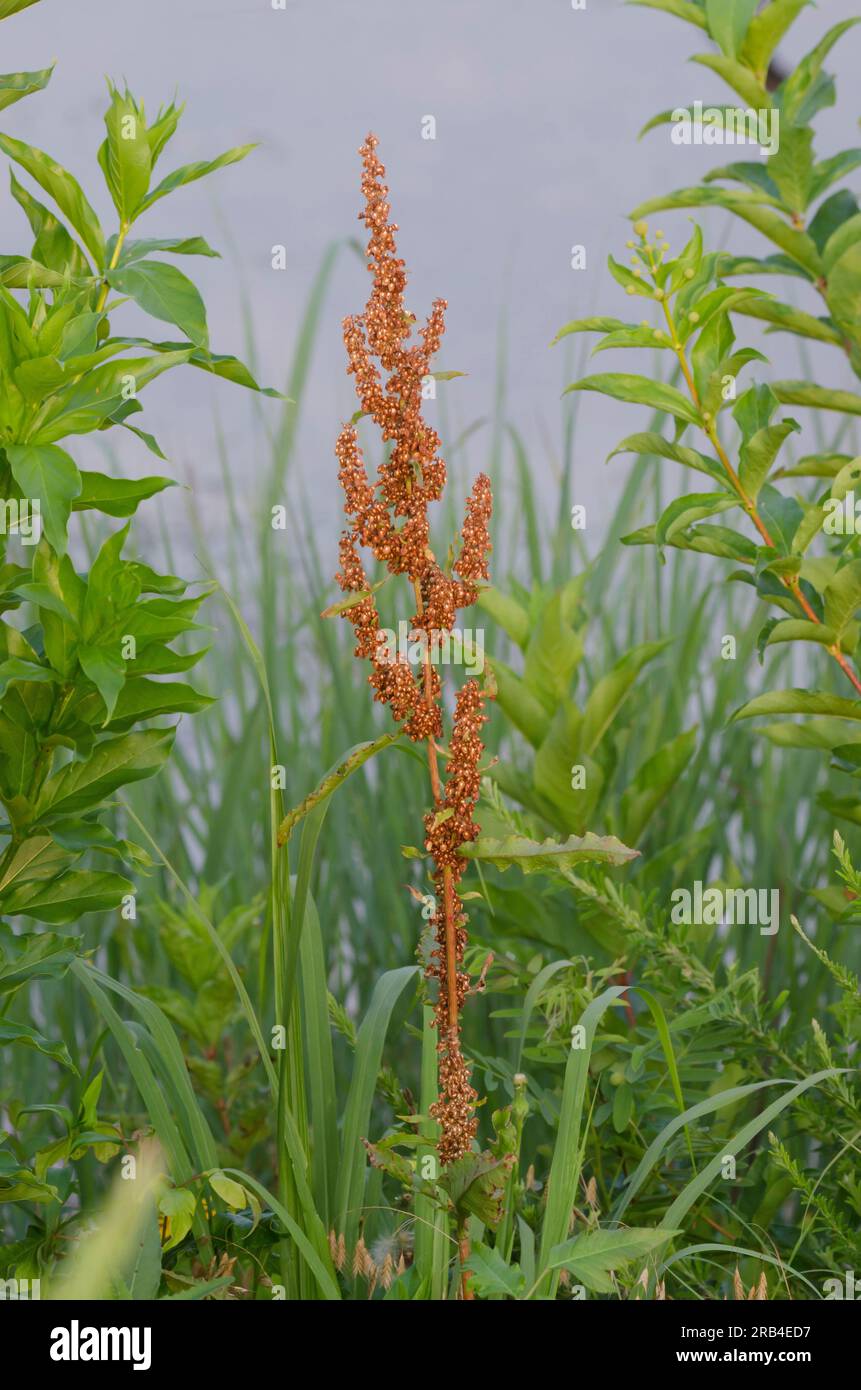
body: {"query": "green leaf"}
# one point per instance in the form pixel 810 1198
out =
pixel 118 497
pixel 491 1275
pixel 26 1036
pixel 791 167
pixel 843 597
pixel 757 455
pixel 590 1257
pixel 125 155
pixel 10 7
pixel 802 81
pixel 607 694
pixel 106 669
pixel 229 1190
pixel 737 76
pixel 593 325
pixel 352 760
pixel 48 473
pixel 765 31
pixel 623 386
pixel 189 173
pixel 531 857
pixel 15 85
pixel 684 511
pixel 66 898
pixel 653 782
pixel 178 1204
pixel 164 292
pixel 817 397
pixel 788 319
pixel 136 250
pixel 552 655
pixel 511 616
pixel 32 956
pixel 113 763
pixel 63 188
pixel 799 702
pixel 650 442
pixel 520 704
pixel 728 22
pixel 84 404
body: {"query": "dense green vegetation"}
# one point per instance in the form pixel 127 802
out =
pixel 217 1046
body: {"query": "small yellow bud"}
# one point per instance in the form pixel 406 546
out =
pixel 657 333
pixel 659 235
pixel 638 272
pixel 641 228
pixel 659 294
pixel 630 245
pixel 695 318
pixel 689 274
pixel 645 323
pixel 707 415
pixel 630 290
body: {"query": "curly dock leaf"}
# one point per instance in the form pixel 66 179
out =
pixel 532 857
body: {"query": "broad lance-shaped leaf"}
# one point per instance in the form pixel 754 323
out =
pixel 105 667
pixel 766 30
pixel 532 857
pixel 10 7
pixel 800 702
pixel 137 250
pixel 118 497
pixel 189 173
pixel 67 193
pixel 83 405
pixel 653 781
pixel 728 22
pixel 593 325
pixel 684 511
pixel 817 397
pixel 164 292
pixel 650 442
pixel 751 208
pixel 15 85
pixel 24 1035
pixel 591 1257
pixel 47 474
pixel 843 597
pixel 639 390
pixel 125 156
pixel 220 364
pixel 113 763
pixel 32 956
pixel 608 694
pixel 66 898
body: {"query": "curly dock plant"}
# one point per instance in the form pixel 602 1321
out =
pixel 391 520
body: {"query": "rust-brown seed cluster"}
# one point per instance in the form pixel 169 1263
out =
pixel 390 519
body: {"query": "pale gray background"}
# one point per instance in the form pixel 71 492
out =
pixel 537 109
